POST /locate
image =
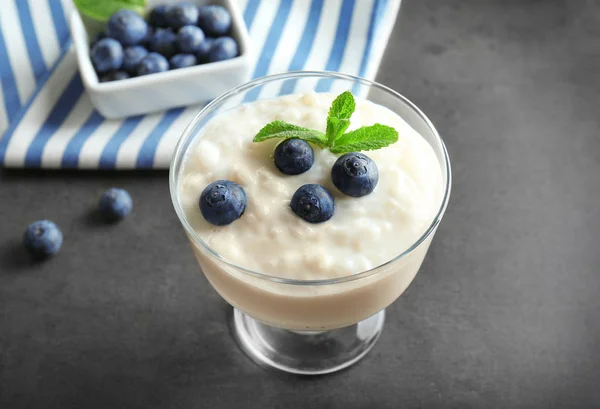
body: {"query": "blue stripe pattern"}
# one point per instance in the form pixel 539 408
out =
pixel 250 12
pixel 61 27
pixel 70 158
pixel 305 45
pixel 9 85
pixel 262 67
pixel 376 14
pixel 341 39
pixel 59 113
pixel 53 120
pixel 21 113
pixel 147 153
pixel 108 158
pixel 33 48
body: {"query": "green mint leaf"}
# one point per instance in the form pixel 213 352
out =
pixel 101 10
pixel 282 129
pixel 366 138
pixel 363 139
pixel 338 119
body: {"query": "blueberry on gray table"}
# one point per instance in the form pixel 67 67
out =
pixel 182 61
pixel 163 42
pixel 182 14
pixel 222 202
pixel 152 63
pixel 115 204
pixel 127 27
pixel 189 39
pixel 294 156
pixel 42 239
pixel 107 55
pixel 214 20
pixel 132 56
pixel 114 76
pixel 204 49
pixel 223 48
pixel 355 174
pixel 313 203
pixel 158 16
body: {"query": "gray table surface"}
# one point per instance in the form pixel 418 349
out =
pixel 504 313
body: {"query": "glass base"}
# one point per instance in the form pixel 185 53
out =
pixel 306 352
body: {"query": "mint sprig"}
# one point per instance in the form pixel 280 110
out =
pixel 101 10
pixel 335 137
pixel 367 138
pixel 338 119
pixel 282 129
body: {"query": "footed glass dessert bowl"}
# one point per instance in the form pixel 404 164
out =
pixel 310 200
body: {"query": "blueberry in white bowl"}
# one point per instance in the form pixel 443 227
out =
pixel 182 14
pixel 163 21
pixel 42 239
pixel 127 27
pixel 355 174
pixel 189 39
pixel 294 156
pixel 223 48
pixel 148 38
pixel 132 56
pixel 203 50
pixel 163 42
pixel 182 61
pixel 158 16
pixel 222 202
pixel 107 55
pixel 152 63
pixel 214 20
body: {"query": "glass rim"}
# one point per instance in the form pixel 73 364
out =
pixel 178 156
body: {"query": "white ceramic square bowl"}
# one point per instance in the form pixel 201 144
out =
pixel 157 92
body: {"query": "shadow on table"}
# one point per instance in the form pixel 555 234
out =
pixel 12 175
pixel 137 360
pixel 14 258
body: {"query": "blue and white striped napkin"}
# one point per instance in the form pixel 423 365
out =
pixel 48 121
